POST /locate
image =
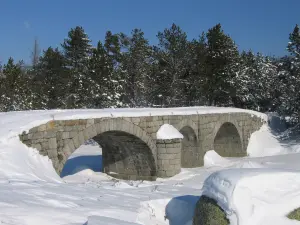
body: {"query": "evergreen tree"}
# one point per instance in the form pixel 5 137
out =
pixel 51 79
pixel 172 56
pixel 104 90
pixel 16 94
pixel 222 63
pixel 290 73
pixel 195 88
pixel 294 44
pixel 77 51
pixel 136 59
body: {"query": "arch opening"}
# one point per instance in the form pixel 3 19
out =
pixel 124 156
pixel 87 156
pixel 189 151
pixel 227 142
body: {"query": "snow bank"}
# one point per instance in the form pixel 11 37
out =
pixel 211 159
pixel 249 196
pixel 264 143
pixel 167 131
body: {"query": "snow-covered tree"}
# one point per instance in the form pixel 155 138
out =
pixel 221 67
pixel 172 58
pixel 77 51
pixel 16 93
pixel 136 64
pixel 51 80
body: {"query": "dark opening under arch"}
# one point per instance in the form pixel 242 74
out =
pixel 189 148
pixel 227 142
pixel 125 156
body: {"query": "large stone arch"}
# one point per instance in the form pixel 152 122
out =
pixel 228 140
pixel 126 147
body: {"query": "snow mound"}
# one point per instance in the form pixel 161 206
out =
pixel 211 159
pixel 249 196
pixel 264 143
pixel 167 131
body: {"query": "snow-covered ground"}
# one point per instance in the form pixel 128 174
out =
pixel 256 190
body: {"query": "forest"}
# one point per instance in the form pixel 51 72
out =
pixel 124 70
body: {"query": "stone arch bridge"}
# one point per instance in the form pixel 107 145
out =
pixel 130 147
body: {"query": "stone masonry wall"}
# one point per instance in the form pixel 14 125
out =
pixel 168 157
pixel 58 139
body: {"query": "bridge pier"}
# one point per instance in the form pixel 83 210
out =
pixel 168 157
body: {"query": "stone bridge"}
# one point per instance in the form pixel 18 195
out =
pixel 130 147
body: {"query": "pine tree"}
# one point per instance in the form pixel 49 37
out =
pixel 196 79
pixel 17 90
pixel 221 67
pixel 135 64
pixel 172 56
pixel 51 79
pixel 294 44
pixel 77 51
pixel 103 93
pixel 291 74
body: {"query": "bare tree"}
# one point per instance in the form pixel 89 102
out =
pixel 35 53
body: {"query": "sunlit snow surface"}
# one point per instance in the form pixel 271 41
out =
pixel 31 193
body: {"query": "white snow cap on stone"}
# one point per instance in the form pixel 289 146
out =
pixel 167 131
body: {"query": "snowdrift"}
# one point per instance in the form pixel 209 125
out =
pixel 255 196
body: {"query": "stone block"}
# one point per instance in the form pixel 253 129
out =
pixel 90 122
pixel 71 145
pixel 167 156
pixel 161 151
pixel 42 127
pixel 81 137
pixel 65 135
pixel 175 162
pixel 50 134
pixel 170 173
pixel 73 134
pixel 50 125
pixel 37 146
pixel 52 143
pixel 45 145
pixel 37 135
pixel 52 153
pixel 76 142
pixel 173 150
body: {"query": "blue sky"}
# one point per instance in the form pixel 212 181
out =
pixel 260 25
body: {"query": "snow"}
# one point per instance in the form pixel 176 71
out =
pixel 167 131
pixel 264 143
pixel 259 189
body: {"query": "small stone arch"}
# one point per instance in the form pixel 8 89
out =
pixel 188 123
pixel 228 140
pixel 189 148
pixel 190 143
pixel 127 146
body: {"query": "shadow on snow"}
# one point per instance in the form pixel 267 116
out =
pixel 79 163
pixel 180 210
